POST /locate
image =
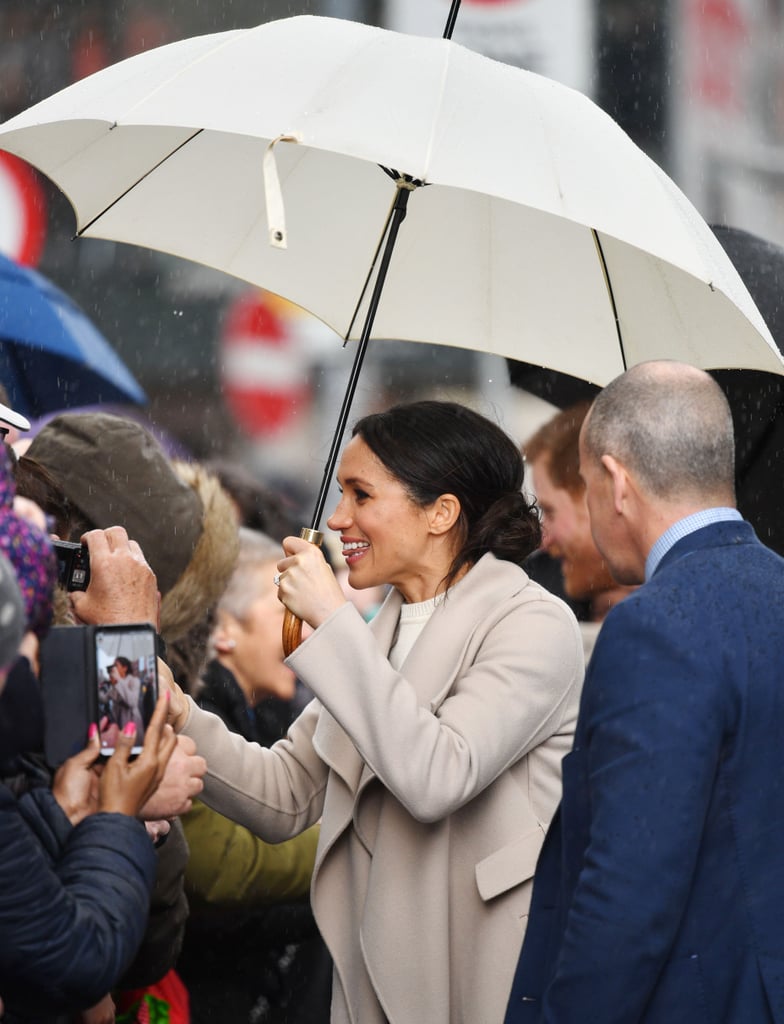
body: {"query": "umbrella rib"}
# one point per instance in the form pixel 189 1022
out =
pixel 373 262
pixel 608 285
pixel 138 181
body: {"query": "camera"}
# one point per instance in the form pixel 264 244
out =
pixel 102 674
pixel 73 564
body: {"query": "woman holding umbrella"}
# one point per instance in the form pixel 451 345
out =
pixel 432 752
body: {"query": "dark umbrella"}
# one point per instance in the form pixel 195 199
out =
pixel 756 398
pixel 51 354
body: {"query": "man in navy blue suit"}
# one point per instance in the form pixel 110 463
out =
pixel 659 892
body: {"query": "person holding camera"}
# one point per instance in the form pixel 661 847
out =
pixel 74 817
pixel 76 876
pixel 77 866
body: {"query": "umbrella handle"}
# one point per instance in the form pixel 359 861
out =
pixel 292 626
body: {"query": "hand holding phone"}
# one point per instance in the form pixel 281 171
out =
pixel 76 782
pixel 126 785
pixel 104 675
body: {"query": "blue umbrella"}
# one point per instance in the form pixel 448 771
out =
pixel 51 355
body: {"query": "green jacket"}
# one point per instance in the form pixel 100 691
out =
pixel 229 867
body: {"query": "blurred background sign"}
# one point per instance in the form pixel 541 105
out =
pixel 550 37
pixel 264 372
pixel 22 211
pixel 728 111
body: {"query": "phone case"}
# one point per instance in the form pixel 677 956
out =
pixel 69 682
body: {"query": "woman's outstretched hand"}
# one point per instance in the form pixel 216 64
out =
pixel 178 705
pixel 126 785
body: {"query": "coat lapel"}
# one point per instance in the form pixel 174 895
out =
pixel 329 739
pixel 435 660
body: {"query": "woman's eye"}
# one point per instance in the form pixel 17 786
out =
pixel 361 495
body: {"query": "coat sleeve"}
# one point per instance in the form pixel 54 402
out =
pixel 230 867
pixel 276 792
pixel 515 687
pixel 654 720
pixel 73 909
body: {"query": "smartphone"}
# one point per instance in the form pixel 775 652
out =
pixel 126 672
pixel 102 674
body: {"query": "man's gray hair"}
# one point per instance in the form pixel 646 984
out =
pixel 670 424
pixel 256 550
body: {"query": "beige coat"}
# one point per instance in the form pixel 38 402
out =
pixel 435 791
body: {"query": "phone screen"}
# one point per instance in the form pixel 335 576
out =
pixel 127 675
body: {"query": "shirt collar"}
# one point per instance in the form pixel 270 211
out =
pixel 681 529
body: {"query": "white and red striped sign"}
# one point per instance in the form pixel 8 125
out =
pixel 264 370
pixel 22 211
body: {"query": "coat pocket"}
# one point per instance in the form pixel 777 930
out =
pixel 512 865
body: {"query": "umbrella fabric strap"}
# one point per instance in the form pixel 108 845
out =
pixel 276 214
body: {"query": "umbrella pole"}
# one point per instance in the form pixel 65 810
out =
pixel 398 215
pixel 451 19
pixel 292 626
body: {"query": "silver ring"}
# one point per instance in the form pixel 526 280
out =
pixel 276 579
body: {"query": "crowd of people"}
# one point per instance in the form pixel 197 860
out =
pixel 431 812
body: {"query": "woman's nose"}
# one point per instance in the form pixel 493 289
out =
pixel 339 519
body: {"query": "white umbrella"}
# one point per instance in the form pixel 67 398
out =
pixel 288 154
pixel 542 233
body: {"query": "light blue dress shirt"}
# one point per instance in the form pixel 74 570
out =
pixel 685 526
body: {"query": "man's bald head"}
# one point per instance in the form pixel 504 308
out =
pixel 670 425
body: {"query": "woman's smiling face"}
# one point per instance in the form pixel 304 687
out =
pixel 386 537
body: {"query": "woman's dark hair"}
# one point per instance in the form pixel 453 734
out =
pixel 35 482
pixel 120 660
pixel 436 448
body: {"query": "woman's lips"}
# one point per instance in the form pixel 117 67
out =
pixel 353 550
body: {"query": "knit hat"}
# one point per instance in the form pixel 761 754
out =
pixel 114 472
pixel 30 553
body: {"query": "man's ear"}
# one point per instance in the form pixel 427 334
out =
pixel 619 481
pixel 443 514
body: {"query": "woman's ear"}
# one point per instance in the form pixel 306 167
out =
pixel 222 639
pixel 443 514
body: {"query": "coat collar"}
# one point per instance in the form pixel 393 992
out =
pixel 736 531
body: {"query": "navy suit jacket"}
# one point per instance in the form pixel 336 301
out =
pixel 659 892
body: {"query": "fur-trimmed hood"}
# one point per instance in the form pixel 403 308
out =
pixel 212 563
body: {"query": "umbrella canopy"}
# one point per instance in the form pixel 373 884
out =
pixel 52 356
pixel 756 398
pixel 536 229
